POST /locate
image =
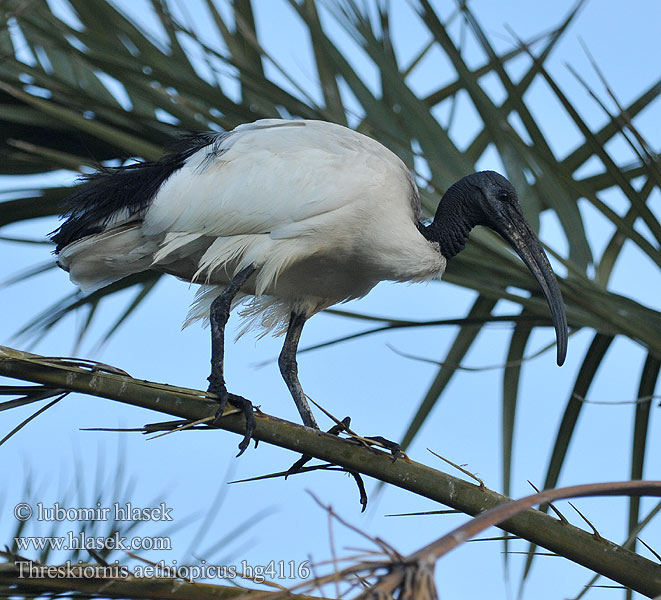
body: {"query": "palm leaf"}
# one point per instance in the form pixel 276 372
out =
pixel 65 111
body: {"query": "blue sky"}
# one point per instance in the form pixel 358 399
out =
pixel 366 379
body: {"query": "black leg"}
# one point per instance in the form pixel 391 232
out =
pixel 289 369
pixel 218 316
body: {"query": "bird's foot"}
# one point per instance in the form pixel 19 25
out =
pixel 343 426
pixel 378 440
pixel 242 404
pixel 334 430
pixel 306 458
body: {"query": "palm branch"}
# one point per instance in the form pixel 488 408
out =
pixel 99 89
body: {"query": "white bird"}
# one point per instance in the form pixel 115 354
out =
pixel 296 216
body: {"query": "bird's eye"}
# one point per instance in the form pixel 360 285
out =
pixel 503 196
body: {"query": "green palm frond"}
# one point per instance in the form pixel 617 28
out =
pixel 72 97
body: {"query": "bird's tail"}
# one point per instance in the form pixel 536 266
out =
pixel 97 260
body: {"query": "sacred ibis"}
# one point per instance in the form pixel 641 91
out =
pixel 293 216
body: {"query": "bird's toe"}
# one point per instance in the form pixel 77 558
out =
pixel 394 448
pixel 243 404
pixel 251 423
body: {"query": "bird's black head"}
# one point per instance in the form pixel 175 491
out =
pixel 492 193
pixel 487 198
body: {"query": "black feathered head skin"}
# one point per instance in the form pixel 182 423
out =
pixel 487 198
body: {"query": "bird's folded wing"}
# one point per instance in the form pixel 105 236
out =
pixel 280 181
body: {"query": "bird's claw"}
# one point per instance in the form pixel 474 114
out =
pixel 394 447
pixel 334 430
pixel 298 465
pixel 246 406
pixel 241 403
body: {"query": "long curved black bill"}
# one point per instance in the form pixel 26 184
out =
pixel 523 239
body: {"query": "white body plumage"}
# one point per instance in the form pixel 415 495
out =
pixel 323 213
pixel 298 215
